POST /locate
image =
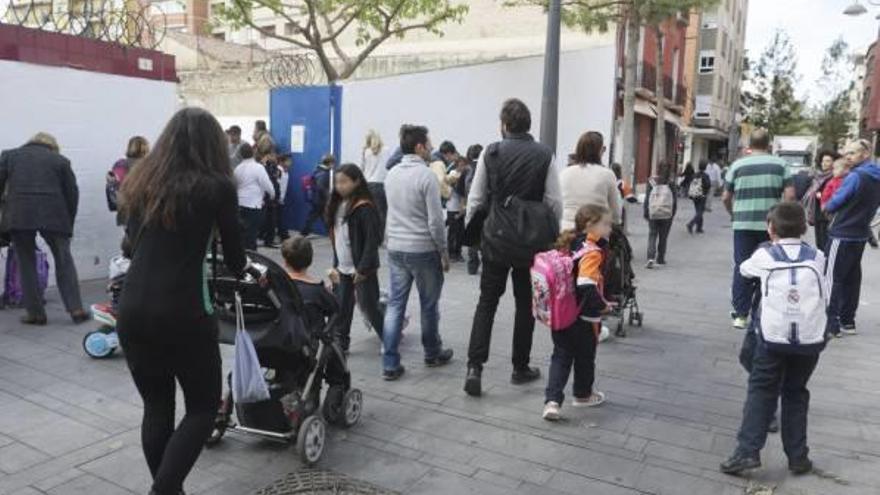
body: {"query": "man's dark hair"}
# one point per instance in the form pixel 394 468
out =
pixel 246 151
pixel 704 164
pixel 515 116
pixel 588 149
pixel 760 139
pixel 297 252
pixel 474 151
pixel 234 130
pixel 260 125
pixel 789 220
pixel 412 136
pixel 446 147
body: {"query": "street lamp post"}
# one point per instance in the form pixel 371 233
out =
pixel 550 99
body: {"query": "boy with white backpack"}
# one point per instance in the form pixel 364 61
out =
pixel 790 335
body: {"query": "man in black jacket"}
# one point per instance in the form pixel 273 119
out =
pixel 524 169
pixel 41 196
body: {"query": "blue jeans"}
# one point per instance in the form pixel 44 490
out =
pixel 772 374
pixel 746 296
pixel 426 270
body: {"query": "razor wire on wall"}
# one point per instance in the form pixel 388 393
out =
pixel 123 22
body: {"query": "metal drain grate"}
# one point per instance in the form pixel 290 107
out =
pixel 321 482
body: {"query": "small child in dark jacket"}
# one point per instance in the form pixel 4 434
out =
pixel 321 308
pixel 355 234
pixel 575 346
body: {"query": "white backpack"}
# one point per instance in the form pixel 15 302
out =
pixel 661 203
pixel 695 191
pixel 793 303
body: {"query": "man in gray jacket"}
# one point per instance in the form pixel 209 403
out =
pixel 416 236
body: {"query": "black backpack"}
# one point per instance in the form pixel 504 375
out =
pixel 515 228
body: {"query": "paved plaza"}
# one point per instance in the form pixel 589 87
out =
pixel 70 424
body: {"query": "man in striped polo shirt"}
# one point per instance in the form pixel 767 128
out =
pixel 755 184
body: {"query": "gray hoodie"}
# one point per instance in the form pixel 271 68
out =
pixel 416 222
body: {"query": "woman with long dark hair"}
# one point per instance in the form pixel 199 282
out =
pixel 587 182
pixel 173 200
pixel 355 234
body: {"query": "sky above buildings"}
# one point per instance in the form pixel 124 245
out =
pixel 812 25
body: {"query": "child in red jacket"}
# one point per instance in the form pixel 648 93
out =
pixel 840 169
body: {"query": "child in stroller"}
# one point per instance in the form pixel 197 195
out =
pixel 104 341
pixel 620 285
pixel 298 351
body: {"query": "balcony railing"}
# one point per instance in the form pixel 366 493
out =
pixel 676 93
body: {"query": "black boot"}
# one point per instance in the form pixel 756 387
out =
pixel 524 375
pixel 473 383
pixel 800 466
pixel 739 462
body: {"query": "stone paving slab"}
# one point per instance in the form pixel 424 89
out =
pixel 70 425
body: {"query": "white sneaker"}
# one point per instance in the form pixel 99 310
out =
pixel 650 265
pixel 551 411
pixel 740 322
pixel 849 329
pixel 604 334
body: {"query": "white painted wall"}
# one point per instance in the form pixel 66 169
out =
pixel 92 115
pixel 462 104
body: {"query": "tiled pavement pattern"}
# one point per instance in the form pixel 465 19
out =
pixel 69 425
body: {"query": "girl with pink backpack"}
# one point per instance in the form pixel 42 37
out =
pixel 567 288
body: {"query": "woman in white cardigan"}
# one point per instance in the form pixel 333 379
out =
pixel 587 181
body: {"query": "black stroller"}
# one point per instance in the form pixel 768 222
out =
pixel 296 360
pixel 620 285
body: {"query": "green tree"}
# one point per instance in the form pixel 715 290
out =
pixel 600 15
pixel 771 97
pixel 320 25
pixel 833 114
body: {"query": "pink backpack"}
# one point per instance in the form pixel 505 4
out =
pixel 553 289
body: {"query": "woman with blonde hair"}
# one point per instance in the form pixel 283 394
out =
pixel 373 165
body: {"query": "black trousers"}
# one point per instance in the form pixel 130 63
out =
pixel 844 274
pixel 251 220
pixel 377 189
pixel 473 260
pixel 315 214
pixel 189 356
pixel 774 374
pixel 700 208
pixel 283 233
pixel 658 233
pixel 25 244
pixel 454 233
pixel 366 295
pixel 493 283
pixel 821 231
pixel 573 347
pixel 272 213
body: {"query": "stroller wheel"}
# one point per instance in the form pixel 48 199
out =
pixel 334 409
pixel 353 405
pixel 310 440
pixel 640 318
pixel 99 344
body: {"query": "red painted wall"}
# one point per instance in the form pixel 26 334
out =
pixel 64 50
